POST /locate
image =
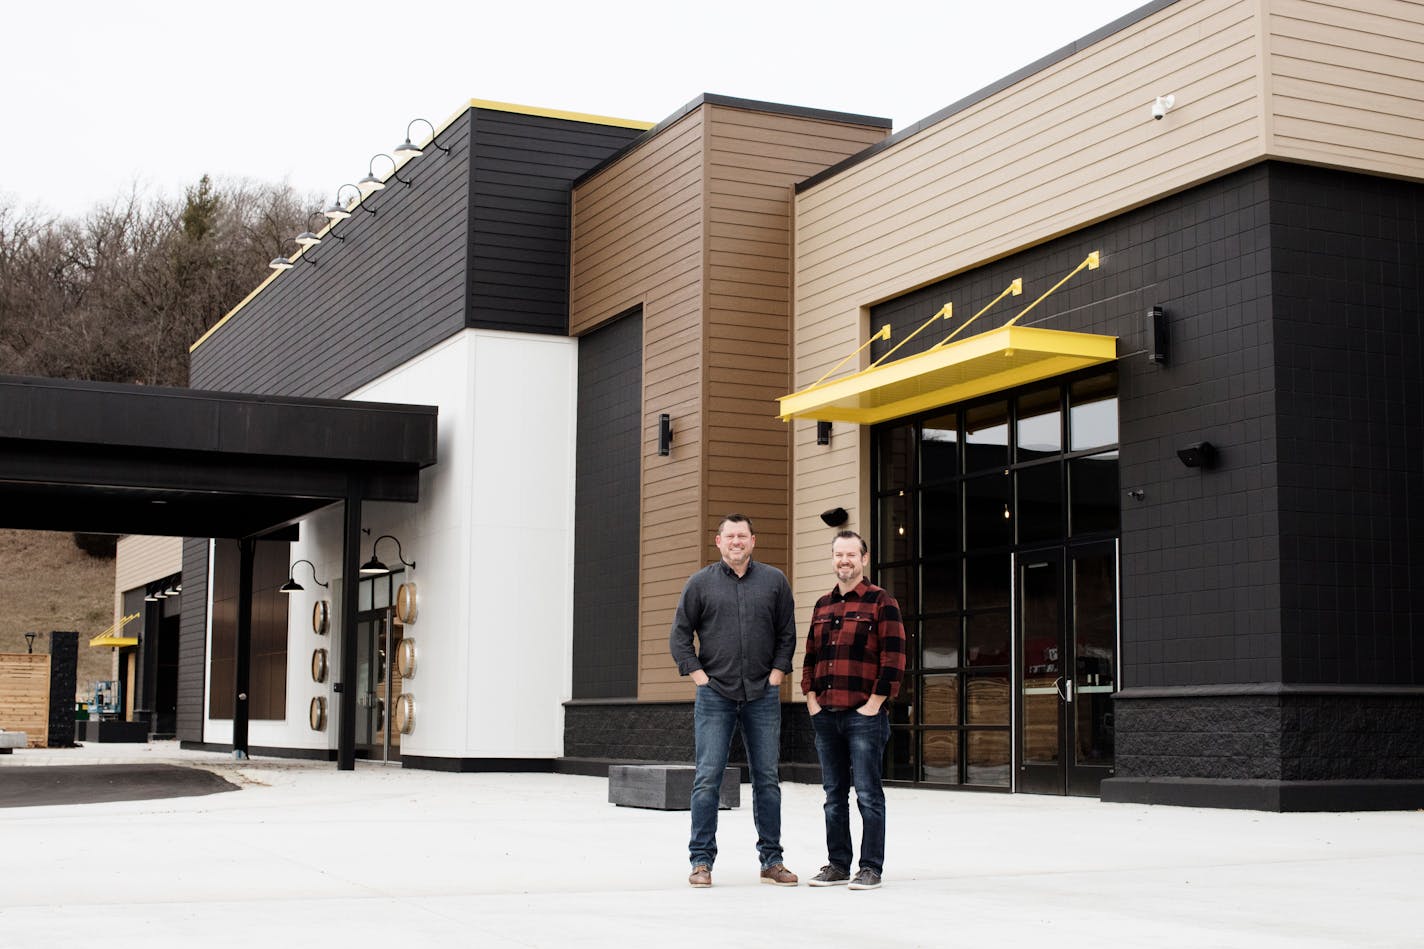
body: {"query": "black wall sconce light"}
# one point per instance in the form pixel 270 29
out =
pixel 374 567
pixel 30 642
pixel 664 434
pixel 292 586
pixel 823 433
pixel 1199 455
pixel 835 517
pixel 1158 339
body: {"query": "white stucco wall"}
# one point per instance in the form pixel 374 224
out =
pixel 492 540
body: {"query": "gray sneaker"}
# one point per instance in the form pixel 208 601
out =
pixel 830 875
pixel 866 879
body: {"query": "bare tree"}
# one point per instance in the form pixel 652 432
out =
pixel 121 293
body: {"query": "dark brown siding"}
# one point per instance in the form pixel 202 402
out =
pixel 267 685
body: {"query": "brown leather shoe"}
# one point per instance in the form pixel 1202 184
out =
pixel 701 875
pixel 778 875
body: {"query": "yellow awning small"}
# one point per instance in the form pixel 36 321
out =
pixel 110 638
pixel 1001 359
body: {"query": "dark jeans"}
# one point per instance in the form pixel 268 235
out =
pixel 714 718
pixel 851 747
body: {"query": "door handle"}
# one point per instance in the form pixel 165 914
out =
pixel 1065 689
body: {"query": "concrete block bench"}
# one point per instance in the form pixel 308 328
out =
pixel 9 741
pixel 665 787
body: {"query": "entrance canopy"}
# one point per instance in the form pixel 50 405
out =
pixel 130 459
pixel 989 362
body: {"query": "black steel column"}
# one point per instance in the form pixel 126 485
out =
pixel 350 587
pixel 246 551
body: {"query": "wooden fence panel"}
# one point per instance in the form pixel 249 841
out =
pixel 24 696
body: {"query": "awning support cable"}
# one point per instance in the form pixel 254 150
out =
pixel 945 311
pixel 1014 288
pixel 884 333
pixel 1091 262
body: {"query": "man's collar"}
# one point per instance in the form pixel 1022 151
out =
pixel 858 591
pixel 730 572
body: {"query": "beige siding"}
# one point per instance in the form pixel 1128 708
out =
pixel 140 559
pixel 694 224
pixel 1347 84
pixel 1337 83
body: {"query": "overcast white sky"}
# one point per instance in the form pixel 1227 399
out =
pixel 101 94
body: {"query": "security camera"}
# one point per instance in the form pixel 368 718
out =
pixel 1162 105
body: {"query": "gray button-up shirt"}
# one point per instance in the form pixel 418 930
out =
pixel 745 626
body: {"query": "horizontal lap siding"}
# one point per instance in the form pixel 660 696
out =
pixel 1347 83
pixel 392 288
pixel 754 161
pixel 523 167
pixel 695 225
pixel 638 240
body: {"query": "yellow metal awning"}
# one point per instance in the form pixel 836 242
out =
pixel 110 638
pixel 978 365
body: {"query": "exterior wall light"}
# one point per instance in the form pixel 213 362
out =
pixel 408 150
pixel 371 182
pixel 292 586
pixel 664 434
pixel 374 567
pixel 823 433
pixel 340 212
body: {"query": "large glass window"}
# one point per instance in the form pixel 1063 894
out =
pixel 958 493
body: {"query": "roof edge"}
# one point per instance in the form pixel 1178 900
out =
pixel 994 88
pixel 732 102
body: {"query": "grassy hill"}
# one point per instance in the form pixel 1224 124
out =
pixel 47 583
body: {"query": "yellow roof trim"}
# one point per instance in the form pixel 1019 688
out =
pixel 1000 359
pixel 109 638
pixel 560 114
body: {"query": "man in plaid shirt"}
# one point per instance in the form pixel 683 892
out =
pixel 855 659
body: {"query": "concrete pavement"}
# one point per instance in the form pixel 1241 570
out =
pixel 306 855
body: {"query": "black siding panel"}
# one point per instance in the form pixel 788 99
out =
pixel 523 169
pixel 392 288
pixel 192 639
pixel 610 392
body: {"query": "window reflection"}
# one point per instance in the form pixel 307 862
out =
pixel 1092 413
pixel 939 448
pixel 988 759
pixel 1094 494
pixel 986 436
pixel 1040 424
pixel 895 449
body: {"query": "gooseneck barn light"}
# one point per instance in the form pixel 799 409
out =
pixel 340 212
pixel 374 567
pixel 292 586
pixel 407 149
pixel 371 182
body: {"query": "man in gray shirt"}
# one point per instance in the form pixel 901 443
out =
pixel 744 619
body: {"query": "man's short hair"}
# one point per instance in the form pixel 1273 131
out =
pixel 736 519
pixel 851 535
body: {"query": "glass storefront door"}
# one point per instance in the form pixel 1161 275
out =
pixel 378 681
pixel 1067 651
pixel 994 524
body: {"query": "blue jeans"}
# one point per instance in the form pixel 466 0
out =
pixel 714 718
pixel 851 747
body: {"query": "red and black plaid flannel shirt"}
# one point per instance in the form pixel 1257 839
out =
pixel 855 648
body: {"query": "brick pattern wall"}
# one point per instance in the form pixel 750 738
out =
pixel 1272 737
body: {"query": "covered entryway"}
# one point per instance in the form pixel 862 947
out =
pixel 112 458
